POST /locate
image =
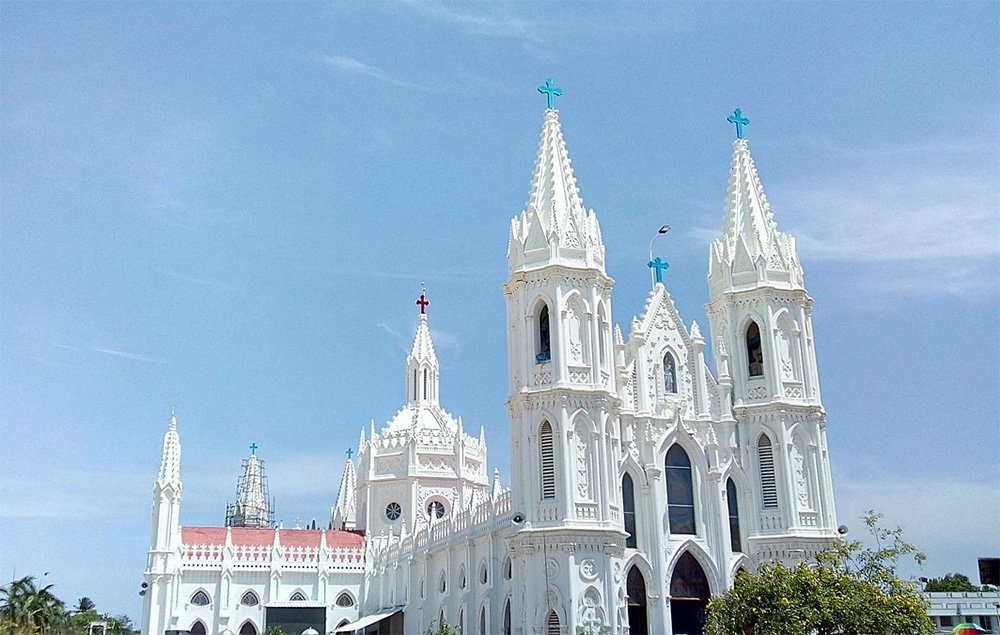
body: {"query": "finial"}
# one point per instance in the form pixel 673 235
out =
pixel 740 121
pixel 423 301
pixel 551 91
pixel 253 448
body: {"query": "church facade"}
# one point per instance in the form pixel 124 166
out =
pixel 643 479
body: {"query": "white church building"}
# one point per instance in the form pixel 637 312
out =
pixel 643 479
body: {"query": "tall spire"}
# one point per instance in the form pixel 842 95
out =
pixel 555 225
pixel 252 508
pixel 170 463
pixel 751 252
pixel 422 364
pixel 343 514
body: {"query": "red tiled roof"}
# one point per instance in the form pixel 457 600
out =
pixel 263 537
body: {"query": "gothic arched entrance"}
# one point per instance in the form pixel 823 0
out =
pixel 689 595
pixel 635 588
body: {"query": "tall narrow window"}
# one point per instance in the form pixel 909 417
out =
pixel 425 383
pixel 680 491
pixel 734 517
pixel 552 624
pixel 765 463
pixel 547 461
pixel 506 617
pixel 669 374
pixel 628 503
pixel 602 339
pixel 544 352
pixel 755 354
pixel 482 621
pixel 415 391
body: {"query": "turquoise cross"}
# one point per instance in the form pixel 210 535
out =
pixel 658 266
pixel 551 91
pixel 740 121
pixel 349 453
pixel 253 448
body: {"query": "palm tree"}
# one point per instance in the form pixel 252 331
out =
pixel 26 609
pixel 84 605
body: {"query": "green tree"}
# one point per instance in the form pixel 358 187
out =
pixel 26 609
pixel 444 628
pixel 849 589
pixel 951 582
pixel 273 630
pixel 85 604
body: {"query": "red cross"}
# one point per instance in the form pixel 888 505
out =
pixel 423 302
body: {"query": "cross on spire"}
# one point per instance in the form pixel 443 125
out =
pixel 658 267
pixel 551 91
pixel 253 448
pixel 740 121
pixel 423 301
pixel 349 453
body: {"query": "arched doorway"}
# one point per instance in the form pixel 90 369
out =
pixel 689 596
pixel 635 587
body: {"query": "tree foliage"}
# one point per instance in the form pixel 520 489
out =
pixel 444 628
pixel 951 582
pixel 26 609
pixel 850 589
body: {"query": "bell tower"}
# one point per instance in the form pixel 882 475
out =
pixel 162 561
pixel 562 405
pixel 761 318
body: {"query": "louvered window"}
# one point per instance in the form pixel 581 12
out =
pixel 768 484
pixel 548 462
pixel 552 624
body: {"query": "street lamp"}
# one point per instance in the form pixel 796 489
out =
pixel 662 230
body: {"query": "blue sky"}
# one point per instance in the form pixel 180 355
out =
pixel 228 209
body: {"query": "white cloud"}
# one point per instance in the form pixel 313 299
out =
pixel 953 521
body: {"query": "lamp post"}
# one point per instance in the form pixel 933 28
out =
pixel 662 230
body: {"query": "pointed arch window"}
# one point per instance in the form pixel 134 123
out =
pixel 198 628
pixel 552 624
pixel 765 463
pixel 543 349
pixel 602 338
pixel 482 621
pixel 200 598
pixel 548 465
pixel 248 628
pixel 755 354
pixel 297 597
pixel 669 374
pixel 680 491
pixel 628 505
pixel 425 384
pixel 506 617
pixel 344 600
pixel 508 569
pixel 249 599
pixel 734 517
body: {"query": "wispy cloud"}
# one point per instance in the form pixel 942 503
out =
pixel 396 337
pixel 62 493
pixel 114 352
pixel 351 66
pixel 197 281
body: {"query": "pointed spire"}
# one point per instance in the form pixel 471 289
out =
pixel 252 508
pixel 422 363
pixel 751 251
pixel 497 488
pixel 555 225
pixel 343 516
pixel 170 462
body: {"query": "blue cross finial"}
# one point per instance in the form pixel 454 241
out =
pixel 253 448
pixel 349 453
pixel 658 266
pixel 551 91
pixel 740 121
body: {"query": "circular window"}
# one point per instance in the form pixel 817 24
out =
pixel 435 509
pixel 393 511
